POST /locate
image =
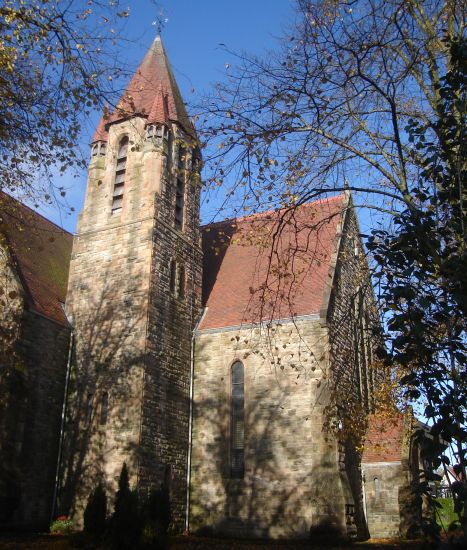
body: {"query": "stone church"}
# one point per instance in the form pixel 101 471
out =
pixel 221 361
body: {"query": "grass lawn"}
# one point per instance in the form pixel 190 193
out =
pixel 445 515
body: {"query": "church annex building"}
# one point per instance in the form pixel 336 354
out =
pixel 198 356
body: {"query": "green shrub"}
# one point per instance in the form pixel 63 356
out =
pixel 156 518
pixel 446 518
pixel 62 525
pixel 158 508
pixel 96 512
pixel 125 525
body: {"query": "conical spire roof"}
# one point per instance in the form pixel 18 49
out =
pixel 152 92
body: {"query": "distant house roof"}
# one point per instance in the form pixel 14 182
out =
pixel 385 438
pixel 272 265
pixel 152 92
pixel 41 251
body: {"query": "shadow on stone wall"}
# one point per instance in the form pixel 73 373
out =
pixel 107 361
pixel 288 490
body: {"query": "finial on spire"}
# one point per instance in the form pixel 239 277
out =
pixel 160 21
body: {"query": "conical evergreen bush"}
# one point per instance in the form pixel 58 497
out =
pixel 125 527
pixel 96 512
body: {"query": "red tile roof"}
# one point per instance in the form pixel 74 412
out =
pixel 385 439
pixel 41 251
pixel 101 133
pixel 269 266
pixel 152 83
pixel 160 108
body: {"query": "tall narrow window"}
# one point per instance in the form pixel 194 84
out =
pixel 170 145
pixel 173 276
pixel 181 157
pixel 377 486
pixel 104 408
pixel 117 199
pixel 179 202
pixel 237 421
pixel 177 279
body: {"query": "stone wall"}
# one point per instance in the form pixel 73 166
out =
pixel 383 482
pixel 349 313
pixel 171 320
pixel 44 345
pixel 291 482
pixel 35 416
pixel 393 500
pixel 34 352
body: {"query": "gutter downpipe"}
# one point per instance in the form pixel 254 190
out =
pixel 190 419
pixel 62 426
pixel 365 510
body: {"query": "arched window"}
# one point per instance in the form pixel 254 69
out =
pixel 170 145
pixel 179 201
pixel 150 131
pixel 180 186
pixel 98 149
pixel 173 276
pixel 157 131
pixel 177 279
pixel 181 282
pixel 120 171
pixel 181 157
pixel 377 486
pixel 237 421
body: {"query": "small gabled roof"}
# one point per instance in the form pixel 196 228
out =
pixel 152 82
pixel 41 253
pixel 159 112
pixel 273 265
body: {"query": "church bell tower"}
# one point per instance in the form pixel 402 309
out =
pixel 134 295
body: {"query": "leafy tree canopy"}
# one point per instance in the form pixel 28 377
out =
pixel 332 104
pixel 56 65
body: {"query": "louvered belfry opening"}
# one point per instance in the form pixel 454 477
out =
pixel 237 422
pixel 120 172
pixel 179 202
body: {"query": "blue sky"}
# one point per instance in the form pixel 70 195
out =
pixel 191 37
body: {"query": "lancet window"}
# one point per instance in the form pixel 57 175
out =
pixel 237 421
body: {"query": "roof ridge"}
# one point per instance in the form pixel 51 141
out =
pixel 267 212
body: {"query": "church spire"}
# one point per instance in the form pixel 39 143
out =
pixel 152 83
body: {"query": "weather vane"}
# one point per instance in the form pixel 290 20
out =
pixel 160 21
